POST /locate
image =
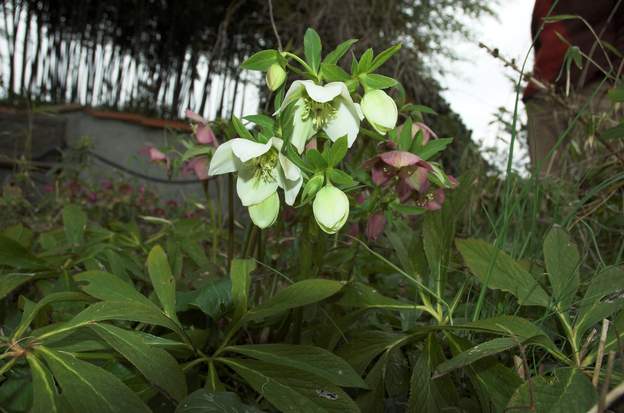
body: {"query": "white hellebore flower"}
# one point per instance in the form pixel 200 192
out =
pixel 261 170
pixel 276 75
pixel 331 209
pixel 265 213
pixel 380 110
pixel 328 108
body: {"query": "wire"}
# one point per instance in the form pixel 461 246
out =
pixel 143 176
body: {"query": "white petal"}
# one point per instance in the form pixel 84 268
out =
pixel 325 93
pixel 294 92
pixel 223 161
pixel 345 122
pixel 358 109
pixel 251 189
pixel 277 143
pixel 244 149
pixel 291 171
pixel 265 213
pixel 291 190
pixel 380 110
pixel 302 129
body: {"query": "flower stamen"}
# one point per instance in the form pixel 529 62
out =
pixel 319 113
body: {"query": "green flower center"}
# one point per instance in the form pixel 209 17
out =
pixel 319 113
pixel 265 164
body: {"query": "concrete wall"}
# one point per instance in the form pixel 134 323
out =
pixel 116 140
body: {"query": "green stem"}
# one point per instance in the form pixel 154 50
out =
pixel 7 366
pixel 571 336
pixel 303 64
pixel 230 254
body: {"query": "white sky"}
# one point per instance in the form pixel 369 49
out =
pixel 478 84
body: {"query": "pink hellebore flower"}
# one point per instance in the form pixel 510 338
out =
pixel 427 132
pixel 202 130
pixel 199 166
pixel 410 170
pixel 432 200
pixel 375 225
pixel 155 155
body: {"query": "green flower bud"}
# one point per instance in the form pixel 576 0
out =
pixel 276 75
pixel 380 110
pixel 331 209
pixel 265 213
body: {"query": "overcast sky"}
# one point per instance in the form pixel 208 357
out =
pixel 479 84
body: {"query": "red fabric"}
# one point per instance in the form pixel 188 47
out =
pixel 549 48
pixel 606 17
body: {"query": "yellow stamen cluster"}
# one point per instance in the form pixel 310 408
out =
pixel 428 198
pixel 265 165
pixel 319 113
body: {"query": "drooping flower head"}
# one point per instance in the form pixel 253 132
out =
pixel 155 155
pixel 328 108
pixel 380 110
pixel 331 209
pixel 201 129
pixel 261 170
pixel 407 170
pixel 197 166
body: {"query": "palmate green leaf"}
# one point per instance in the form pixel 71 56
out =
pixel 562 261
pixel 594 306
pixel 20 234
pixel 296 295
pixel 264 121
pixel 373 400
pixel 377 81
pixel 291 390
pixel 89 388
pixel 478 352
pixel 158 366
pixel 312 49
pixel 12 254
pixel 438 234
pixel 493 382
pixel 10 282
pixel 314 158
pixel 261 60
pixel 241 130
pixel 31 312
pixel 334 73
pixel 569 391
pixel 516 327
pixel 213 298
pixel 204 401
pixel 363 347
pixel 115 310
pixel 433 147
pixel 340 178
pixel 162 280
pixel 497 270
pixel 108 287
pixel 427 393
pixel 338 151
pixel 382 57
pixel 75 223
pixel 365 60
pixel 616 132
pixel 335 55
pixel 241 281
pixel 44 390
pixel 311 359
pixel 359 295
